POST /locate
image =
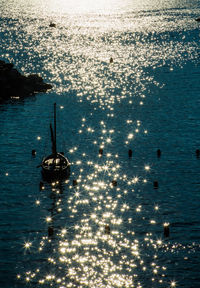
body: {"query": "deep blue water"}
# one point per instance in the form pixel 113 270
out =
pixel 147 99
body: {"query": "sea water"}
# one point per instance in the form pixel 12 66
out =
pixel 106 229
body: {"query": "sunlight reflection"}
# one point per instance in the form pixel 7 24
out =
pixel 100 221
pixel 27 245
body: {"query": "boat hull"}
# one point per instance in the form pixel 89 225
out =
pixel 55 167
pixel 56 175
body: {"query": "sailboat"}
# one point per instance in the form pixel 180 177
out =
pixel 56 165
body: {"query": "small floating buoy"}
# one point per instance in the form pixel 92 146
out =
pixel 198 19
pixel 111 60
pixel 41 185
pixel 155 184
pixel 197 153
pixel 100 151
pixel 114 183
pixel 107 229
pixel 158 152
pixel 50 231
pixel 52 25
pixel 33 152
pixel 166 229
pixel 130 153
pixel 75 182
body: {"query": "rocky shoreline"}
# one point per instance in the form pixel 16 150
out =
pixel 15 85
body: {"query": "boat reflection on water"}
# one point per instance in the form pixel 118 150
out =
pixel 56 165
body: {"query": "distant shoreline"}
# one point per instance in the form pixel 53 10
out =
pixel 15 85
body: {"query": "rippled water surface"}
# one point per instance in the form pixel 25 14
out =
pixel 103 227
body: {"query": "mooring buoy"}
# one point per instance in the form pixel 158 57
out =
pixel 130 153
pixel 41 185
pixel 114 182
pixel 197 153
pixel 158 152
pixel 75 182
pixel 50 231
pixel 166 229
pixel 155 184
pixel 107 229
pixel 100 151
pixel 52 25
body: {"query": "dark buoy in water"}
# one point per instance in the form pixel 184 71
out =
pixel 100 151
pixel 33 152
pixel 41 185
pixel 114 183
pixel 75 182
pixel 155 184
pixel 198 19
pixel 197 153
pixel 52 25
pixel 50 231
pixel 107 229
pixel 158 153
pixel 111 60
pixel 130 153
pixel 166 229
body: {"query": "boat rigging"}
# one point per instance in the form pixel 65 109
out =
pixel 56 165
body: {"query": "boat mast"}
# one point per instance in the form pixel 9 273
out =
pixel 52 140
pixel 55 148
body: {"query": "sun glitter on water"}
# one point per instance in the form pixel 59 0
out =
pixel 85 6
pixel 99 244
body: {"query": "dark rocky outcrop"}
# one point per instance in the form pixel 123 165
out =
pixel 14 84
